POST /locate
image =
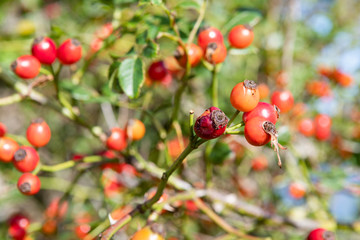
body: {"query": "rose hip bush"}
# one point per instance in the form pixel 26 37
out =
pixel 188 119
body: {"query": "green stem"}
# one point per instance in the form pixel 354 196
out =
pixel 239 125
pixel 71 163
pixel 214 87
pixel 233 117
pixel 198 22
pixel 11 99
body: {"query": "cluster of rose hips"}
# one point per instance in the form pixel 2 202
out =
pixel 99 36
pixel 210 47
pixel 26 158
pixel 44 51
pixel 320 127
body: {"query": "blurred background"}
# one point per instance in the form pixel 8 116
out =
pixel 309 47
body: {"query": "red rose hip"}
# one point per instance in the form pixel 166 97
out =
pixel 241 36
pixel 269 112
pixel 44 49
pixel 117 139
pixel 209 35
pixel 8 147
pixel 215 53
pixel 157 71
pixel 283 100
pixel 38 133
pixel 26 159
pixel 69 52
pixel 29 184
pixel 321 234
pixel 2 129
pixel 26 67
pixel 245 96
pixel 211 124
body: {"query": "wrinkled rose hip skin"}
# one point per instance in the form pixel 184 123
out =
pixel 211 124
pixel 321 234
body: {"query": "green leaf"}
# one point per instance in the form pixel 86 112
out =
pixel 245 17
pixel 154 2
pixel 151 50
pixel 188 4
pixel 141 37
pixel 219 153
pixel 131 76
pixel 77 92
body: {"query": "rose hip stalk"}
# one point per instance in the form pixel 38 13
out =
pixel 211 124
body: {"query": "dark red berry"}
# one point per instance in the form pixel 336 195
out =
pixel 69 52
pixel 2 129
pixel 321 234
pixel 117 139
pixel 157 71
pixel 38 133
pixel 241 36
pixel 16 232
pixel 26 67
pixel 44 49
pixel 269 112
pixel 26 159
pixel 19 220
pixel 29 184
pixel 209 35
pixel 258 131
pixel 211 124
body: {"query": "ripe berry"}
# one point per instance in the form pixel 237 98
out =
pixel 297 190
pixel 56 209
pixel 26 67
pixel 259 163
pixel 241 36
pixel 322 124
pixel 38 133
pixel 157 71
pixel 321 234
pixel 306 127
pixel 263 90
pixel 245 96
pixel 19 220
pixel 69 51
pixel 135 129
pixel 2 129
pixel 211 124
pixel 147 234
pixel 318 88
pixel 215 53
pixel 283 100
pixel 29 184
pixel 195 53
pixel 258 131
pixel 209 35
pixel 8 147
pixel 26 159
pixel 269 112
pixel 117 139
pixel 16 232
pixel 44 49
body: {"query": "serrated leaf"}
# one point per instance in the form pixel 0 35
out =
pixel 245 17
pixel 151 50
pixel 141 37
pixel 131 76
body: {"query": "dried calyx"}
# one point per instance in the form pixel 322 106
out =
pixel 219 119
pixel 250 84
pixel 20 155
pixel 270 129
pixel 25 187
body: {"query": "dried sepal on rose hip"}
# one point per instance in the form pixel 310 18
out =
pixel 215 53
pixel 258 131
pixel 211 124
